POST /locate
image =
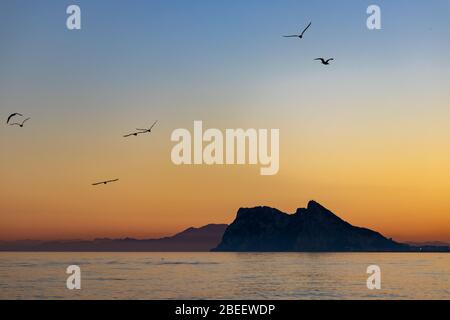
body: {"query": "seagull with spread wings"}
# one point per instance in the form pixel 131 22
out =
pixel 323 61
pixel 301 34
pixel 105 182
pixel 141 131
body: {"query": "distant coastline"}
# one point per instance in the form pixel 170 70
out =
pixel 259 229
pixel 190 240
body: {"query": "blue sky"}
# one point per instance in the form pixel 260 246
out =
pixel 188 58
pixel 166 44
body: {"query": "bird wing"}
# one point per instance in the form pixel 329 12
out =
pixel 331 59
pixel 319 59
pixel 128 135
pixel 114 180
pixel 14 124
pixel 291 36
pixel 97 183
pixel 12 115
pixel 309 25
pixel 25 120
pixel 153 124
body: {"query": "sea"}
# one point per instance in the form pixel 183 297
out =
pixel 242 276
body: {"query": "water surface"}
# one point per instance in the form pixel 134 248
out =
pixel 224 275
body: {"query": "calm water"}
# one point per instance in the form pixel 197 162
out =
pixel 224 276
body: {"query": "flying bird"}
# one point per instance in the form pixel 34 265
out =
pixel 13 115
pixel 148 130
pixel 299 35
pixel 324 62
pixel 141 131
pixel 19 124
pixel 105 182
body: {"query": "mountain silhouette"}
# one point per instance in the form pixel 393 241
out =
pixel 190 240
pixel 260 229
pixel 311 229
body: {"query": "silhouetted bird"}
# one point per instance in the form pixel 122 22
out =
pixel 148 130
pixel 13 115
pixel 19 124
pixel 141 131
pixel 325 62
pixel 299 35
pixel 105 182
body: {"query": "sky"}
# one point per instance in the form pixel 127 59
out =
pixel 367 137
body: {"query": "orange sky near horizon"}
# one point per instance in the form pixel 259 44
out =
pixel 387 183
